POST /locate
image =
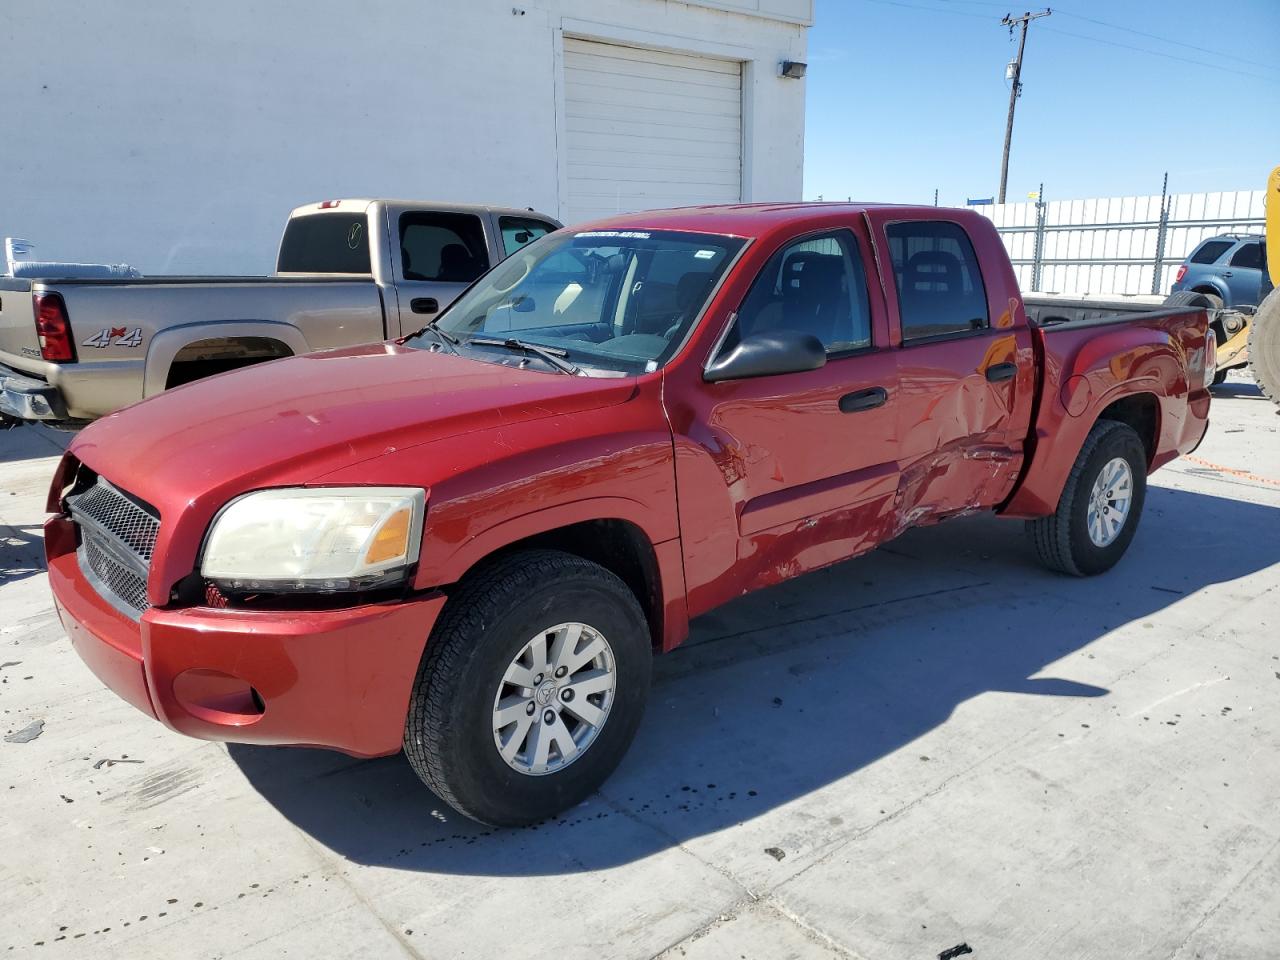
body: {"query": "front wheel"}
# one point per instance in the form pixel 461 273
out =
pixel 531 688
pixel 1100 505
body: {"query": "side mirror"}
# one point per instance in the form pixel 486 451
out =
pixel 768 354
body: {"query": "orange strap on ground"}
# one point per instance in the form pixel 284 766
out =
pixel 1242 474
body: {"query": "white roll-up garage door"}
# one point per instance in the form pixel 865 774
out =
pixel 646 128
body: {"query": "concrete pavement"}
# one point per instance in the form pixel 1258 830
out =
pixel 938 744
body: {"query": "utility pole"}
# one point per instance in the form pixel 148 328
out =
pixel 1024 21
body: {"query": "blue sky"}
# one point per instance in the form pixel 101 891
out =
pixel 905 96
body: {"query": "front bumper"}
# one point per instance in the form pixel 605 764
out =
pixel 27 398
pixel 328 678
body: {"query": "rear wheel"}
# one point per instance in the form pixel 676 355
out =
pixel 1100 505
pixel 531 688
pixel 1194 298
pixel 1264 346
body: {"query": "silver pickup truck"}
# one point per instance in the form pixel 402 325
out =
pixel 348 272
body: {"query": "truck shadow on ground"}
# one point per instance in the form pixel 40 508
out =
pixel 32 443
pixel 21 552
pixel 786 691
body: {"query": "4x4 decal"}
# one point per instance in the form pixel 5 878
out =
pixel 120 336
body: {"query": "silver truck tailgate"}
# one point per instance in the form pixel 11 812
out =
pixel 19 343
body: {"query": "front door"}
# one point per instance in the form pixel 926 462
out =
pixel 804 463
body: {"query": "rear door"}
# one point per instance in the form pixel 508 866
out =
pixel 965 367
pixel 436 254
pixel 1244 274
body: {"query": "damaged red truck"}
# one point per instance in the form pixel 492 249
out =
pixel 470 542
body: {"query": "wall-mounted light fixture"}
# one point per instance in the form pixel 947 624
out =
pixel 793 69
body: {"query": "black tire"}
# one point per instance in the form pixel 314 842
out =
pixel 485 624
pixel 1264 346
pixel 1220 377
pixel 1062 539
pixel 1194 298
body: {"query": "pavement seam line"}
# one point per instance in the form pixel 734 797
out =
pixel 334 870
pixel 1212 911
pixel 812 931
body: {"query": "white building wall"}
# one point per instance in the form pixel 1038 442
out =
pixel 176 138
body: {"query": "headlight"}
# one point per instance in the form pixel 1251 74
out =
pixel 325 539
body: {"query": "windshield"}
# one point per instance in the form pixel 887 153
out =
pixel 615 300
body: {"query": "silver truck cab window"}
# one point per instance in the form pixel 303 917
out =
pixel 519 232
pixel 442 247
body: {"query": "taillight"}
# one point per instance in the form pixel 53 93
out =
pixel 1182 272
pixel 54 328
pixel 1210 358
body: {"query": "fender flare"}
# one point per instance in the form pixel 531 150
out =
pixel 439 569
pixel 166 344
pixel 1214 285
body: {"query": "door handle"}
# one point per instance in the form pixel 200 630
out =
pixel 999 372
pixel 424 305
pixel 1227 273
pixel 863 400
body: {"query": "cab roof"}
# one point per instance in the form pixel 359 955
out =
pixel 753 219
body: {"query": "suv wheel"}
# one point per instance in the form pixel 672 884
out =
pixel 531 688
pixel 1100 505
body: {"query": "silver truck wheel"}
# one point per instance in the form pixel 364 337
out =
pixel 1100 505
pixel 1109 502
pixel 531 687
pixel 554 699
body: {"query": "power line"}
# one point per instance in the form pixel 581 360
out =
pixel 1157 53
pixel 1086 36
pixel 1155 36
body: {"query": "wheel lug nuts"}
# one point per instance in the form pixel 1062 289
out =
pixel 537 680
pixel 531 709
pixel 549 716
pixel 566 695
pixel 561 671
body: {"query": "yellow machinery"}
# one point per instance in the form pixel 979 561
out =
pixel 1264 328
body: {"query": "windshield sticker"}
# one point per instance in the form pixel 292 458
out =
pixel 353 236
pixel 704 254
pixel 627 234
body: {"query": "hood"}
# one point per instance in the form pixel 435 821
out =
pixel 293 420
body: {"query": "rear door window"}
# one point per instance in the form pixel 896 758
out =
pixel 442 247
pixel 325 243
pixel 519 232
pixel 1249 256
pixel 1211 250
pixel 940 289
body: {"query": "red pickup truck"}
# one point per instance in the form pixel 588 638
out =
pixel 469 542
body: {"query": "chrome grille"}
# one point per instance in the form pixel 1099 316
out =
pixel 117 539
